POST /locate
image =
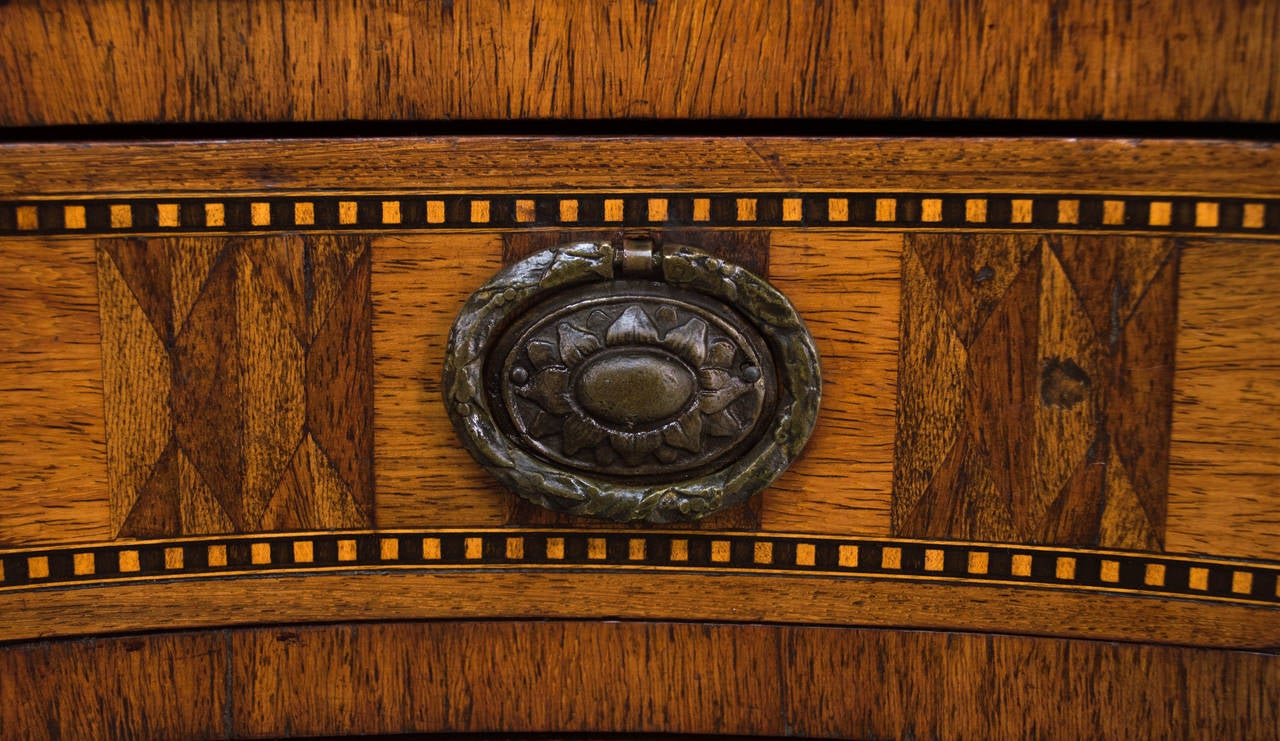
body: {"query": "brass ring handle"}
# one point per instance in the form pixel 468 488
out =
pixel 631 383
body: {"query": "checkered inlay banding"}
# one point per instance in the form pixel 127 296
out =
pixel 426 211
pixel 970 563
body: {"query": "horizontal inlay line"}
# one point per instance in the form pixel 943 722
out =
pixel 915 210
pixel 1153 574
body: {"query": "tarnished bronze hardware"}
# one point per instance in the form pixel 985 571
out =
pixel 631 382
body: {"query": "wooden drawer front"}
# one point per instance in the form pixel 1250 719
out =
pixel 1051 380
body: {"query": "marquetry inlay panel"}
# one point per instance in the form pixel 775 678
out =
pixel 1035 389
pixel 238 389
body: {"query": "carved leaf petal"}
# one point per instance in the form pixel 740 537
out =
pixel 542 354
pixel 634 446
pixel 722 389
pixel 598 320
pixel 689 341
pixel 579 433
pixel 723 424
pixel 721 354
pixel 685 433
pixel 548 389
pixel 576 344
pixel 632 328
pixel 714 378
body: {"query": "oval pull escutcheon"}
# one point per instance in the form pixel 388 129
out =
pixel 633 382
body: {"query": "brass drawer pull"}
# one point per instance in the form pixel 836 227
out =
pixel 639 382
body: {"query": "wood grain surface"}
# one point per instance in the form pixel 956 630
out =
pixel 936 685
pixel 612 164
pixel 842 480
pixel 157 686
pixel 95 61
pixel 424 477
pixel 53 456
pixel 486 676
pixel 603 592
pixel 1224 475
pixel 527 677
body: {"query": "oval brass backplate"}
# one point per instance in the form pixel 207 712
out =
pixel 631 383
